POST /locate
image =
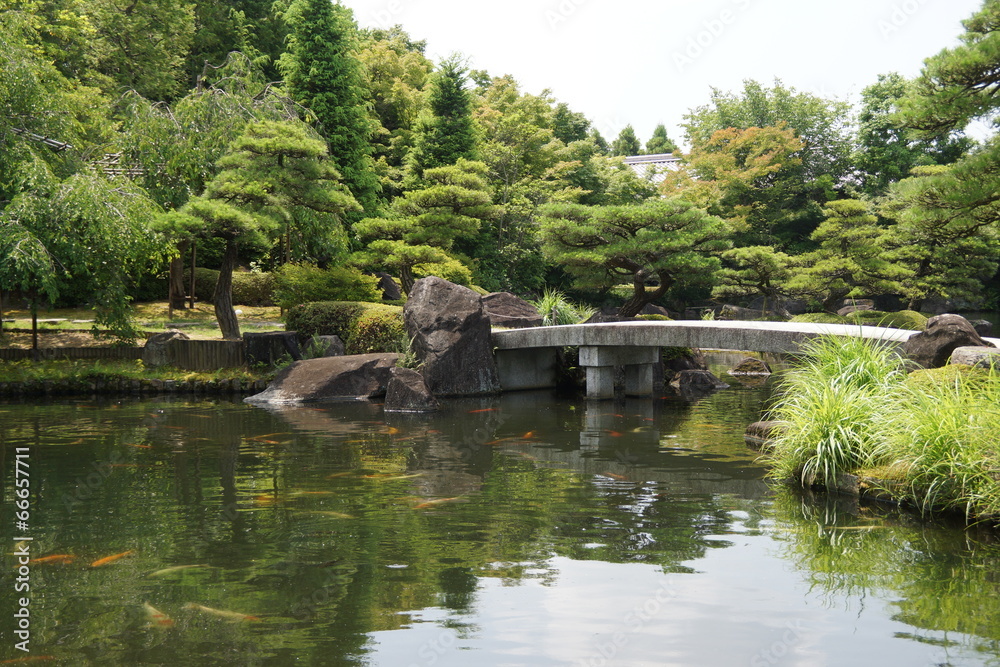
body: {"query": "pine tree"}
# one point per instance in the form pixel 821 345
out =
pixel 660 142
pixel 445 132
pixel 323 75
pixel 626 143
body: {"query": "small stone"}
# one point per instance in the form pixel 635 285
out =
pixel 407 392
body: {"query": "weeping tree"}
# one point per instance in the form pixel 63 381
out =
pixel 276 183
pixel 654 245
pixel 87 230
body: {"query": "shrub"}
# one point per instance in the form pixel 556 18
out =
pixel 555 309
pixel 302 283
pixel 903 319
pixel 819 318
pixel 324 318
pixel 377 329
pixel 249 288
pixel 653 317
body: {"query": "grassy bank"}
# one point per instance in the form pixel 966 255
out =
pixel 932 435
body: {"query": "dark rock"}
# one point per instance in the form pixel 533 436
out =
pixel 451 338
pixel 697 381
pixel 750 366
pixel 270 346
pixel 780 306
pixel 689 360
pixel 607 314
pixel 389 286
pixel 653 309
pixel 507 310
pixel 156 351
pixel 981 357
pixel 983 327
pixel 847 310
pixel 759 435
pixel 932 347
pixel 328 346
pixel 352 377
pixel 407 392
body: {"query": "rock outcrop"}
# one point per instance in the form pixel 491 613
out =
pixel 451 338
pixel 407 392
pixel 507 310
pixel 932 347
pixel 353 377
pixel 156 351
pixel 750 366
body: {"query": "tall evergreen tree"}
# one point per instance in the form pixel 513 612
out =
pixel 626 143
pixel 660 142
pixel 445 132
pixel 323 74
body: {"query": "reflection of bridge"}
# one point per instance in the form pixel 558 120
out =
pixel 526 357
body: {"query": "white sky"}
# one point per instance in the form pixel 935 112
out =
pixel 649 61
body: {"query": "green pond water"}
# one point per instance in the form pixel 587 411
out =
pixel 521 530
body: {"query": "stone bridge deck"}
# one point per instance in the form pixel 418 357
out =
pixel 526 357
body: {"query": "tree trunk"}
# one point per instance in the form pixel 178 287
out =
pixel 640 297
pixel 176 292
pixel 916 303
pixel 406 279
pixel 223 296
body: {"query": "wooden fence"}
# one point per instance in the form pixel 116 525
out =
pixel 190 355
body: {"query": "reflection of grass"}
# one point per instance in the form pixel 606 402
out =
pixel 851 409
pixel 82 370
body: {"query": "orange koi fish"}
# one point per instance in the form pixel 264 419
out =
pixel 472 412
pixel 135 444
pixel 614 434
pixel 434 503
pixel 392 430
pixel 339 474
pixel 528 435
pixel 612 475
pixel 175 568
pixel 62 559
pixel 221 613
pixel 110 559
pixel 156 617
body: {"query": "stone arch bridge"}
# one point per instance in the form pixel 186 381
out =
pixel 526 357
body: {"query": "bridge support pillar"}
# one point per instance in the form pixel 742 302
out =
pixel 600 362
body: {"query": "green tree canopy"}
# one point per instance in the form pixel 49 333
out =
pixel 445 132
pixel 660 142
pixel 626 143
pixel 323 73
pixel 654 246
pixel 426 223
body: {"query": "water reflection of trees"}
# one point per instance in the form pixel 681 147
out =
pixel 940 577
pixel 324 522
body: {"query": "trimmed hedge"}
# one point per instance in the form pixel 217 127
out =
pixel 249 288
pixel 305 283
pixel 364 327
pixel 903 319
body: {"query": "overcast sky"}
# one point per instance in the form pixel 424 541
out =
pixel 649 61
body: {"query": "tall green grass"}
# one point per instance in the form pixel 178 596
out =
pixel 945 436
pixel 555 309
pixel 830 405
pixel 850 406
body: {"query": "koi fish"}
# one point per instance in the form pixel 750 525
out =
pixel 390 477
pixel 156 617
pixel 392 430
pixel 221 613
pixel 614 476
pixel 335 515
pixel 614 434
pixel 434 503
pixel 110 559
pixel 135 444
pixel 264 499
pixel 339 474
pixel 27 658
pixel 497 442
pixel 62 559
pixel 472 412
pixel 170 570
pixel 528 435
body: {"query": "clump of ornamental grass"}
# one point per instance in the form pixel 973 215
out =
pixel 556 309
pixel 944 435
pixel 830 405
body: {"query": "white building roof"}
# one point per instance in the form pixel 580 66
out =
pixel 660 163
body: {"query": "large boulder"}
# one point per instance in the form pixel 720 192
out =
pixel 269 347
pixel 750 366
pixel 981 357
pixel 932 347
pixel 389 286
pixel 451 338
pixel 407 392
pixel 507 310
pixel 696 382
pixel 354 377
pixel 156 351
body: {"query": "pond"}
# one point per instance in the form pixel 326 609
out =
pixel 520 530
